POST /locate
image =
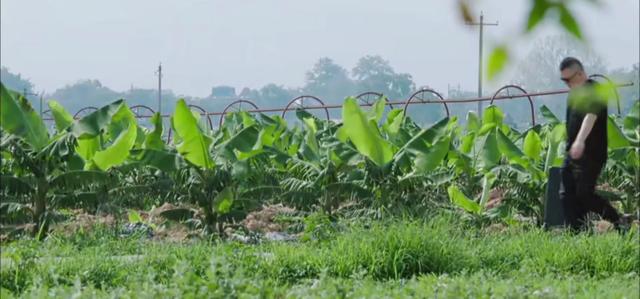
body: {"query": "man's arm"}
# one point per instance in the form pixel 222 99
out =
pixel 577 148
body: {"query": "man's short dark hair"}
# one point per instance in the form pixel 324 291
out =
pixel 570 62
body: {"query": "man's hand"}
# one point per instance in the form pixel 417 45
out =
pixel 576 150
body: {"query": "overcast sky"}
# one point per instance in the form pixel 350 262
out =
pixel 252 43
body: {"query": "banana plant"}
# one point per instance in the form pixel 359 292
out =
pixel 42 172
pixel 217 166
pixel 623 169
pixel 394 154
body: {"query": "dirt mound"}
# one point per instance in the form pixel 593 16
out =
pixel 265 220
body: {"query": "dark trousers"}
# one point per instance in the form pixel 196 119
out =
pixel 578 196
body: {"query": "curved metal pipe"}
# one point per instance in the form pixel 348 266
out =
pixel 372 93
pixel 224 112
pixel 616 90
pixel 75 116
pixel 533 113
pixel 301 98
pixel 426 90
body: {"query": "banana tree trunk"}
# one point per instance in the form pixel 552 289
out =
pixel 41 228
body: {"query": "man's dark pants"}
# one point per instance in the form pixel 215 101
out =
pixel 578 195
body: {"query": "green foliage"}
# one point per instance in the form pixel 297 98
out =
pixel 497 61
pixel 194 144
pixel 62 118
pixel 365 134
pixel 18 118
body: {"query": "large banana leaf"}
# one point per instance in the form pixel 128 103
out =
pixel 125 126
pixel 424 138
pixel 616 138
pixel 459 199
pixel 17 117
pixel 377 110
pixel 487 183
pixel 153 140
pixel 509 149
pixel 96 122
pixel 492 114
pixel 428 161
pixel 194 145
pixel 631 122
pixel 467 143
pixel 549 116
pixel 364 135
pixel 71 180
pixel 160 159
pixel 62 118
pixel 490 151
pixel 558 134
pixel 15 186
pixel 87 147
pixel 223 202
pixel 532 145
pixel 473 122
pixel 392 125
pixel 245 140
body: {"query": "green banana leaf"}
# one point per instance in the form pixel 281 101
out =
pixel 364 135
pixel 532 145
pixel 153 140
pixel 17 117
pixel 123 130
pixel 616 138
pixel 61 117
pixel 462 201
pixel 194 144
pixel 97 122
pixel 428 161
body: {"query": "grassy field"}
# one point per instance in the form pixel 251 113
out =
pixel 441 258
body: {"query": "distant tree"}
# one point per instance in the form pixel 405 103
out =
pixel 328 81
pixel 249 94
pixel 223 91
pixel 85 93
pixel 19 84
pixel 15 81
pixel 539 70
pixel 272 96
pixel 373 73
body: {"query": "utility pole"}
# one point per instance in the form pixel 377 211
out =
pixel 480 24
pixel 159 72
pixel 41 103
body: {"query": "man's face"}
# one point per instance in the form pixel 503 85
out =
pixel 573 77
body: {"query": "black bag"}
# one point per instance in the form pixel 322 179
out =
pixel 553 208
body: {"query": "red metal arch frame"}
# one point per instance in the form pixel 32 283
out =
pixel 416 94
pixel 89 108
pixel 224 112
pixel 136 108
pixel 202 112
pixel 301 99
pixel 506 87
pixel 362 98
pixel 610 82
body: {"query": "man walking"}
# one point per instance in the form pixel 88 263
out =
pixel 586 147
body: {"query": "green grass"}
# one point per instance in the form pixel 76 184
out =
pixel 396 259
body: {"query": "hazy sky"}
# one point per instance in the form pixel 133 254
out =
pixel 252 43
